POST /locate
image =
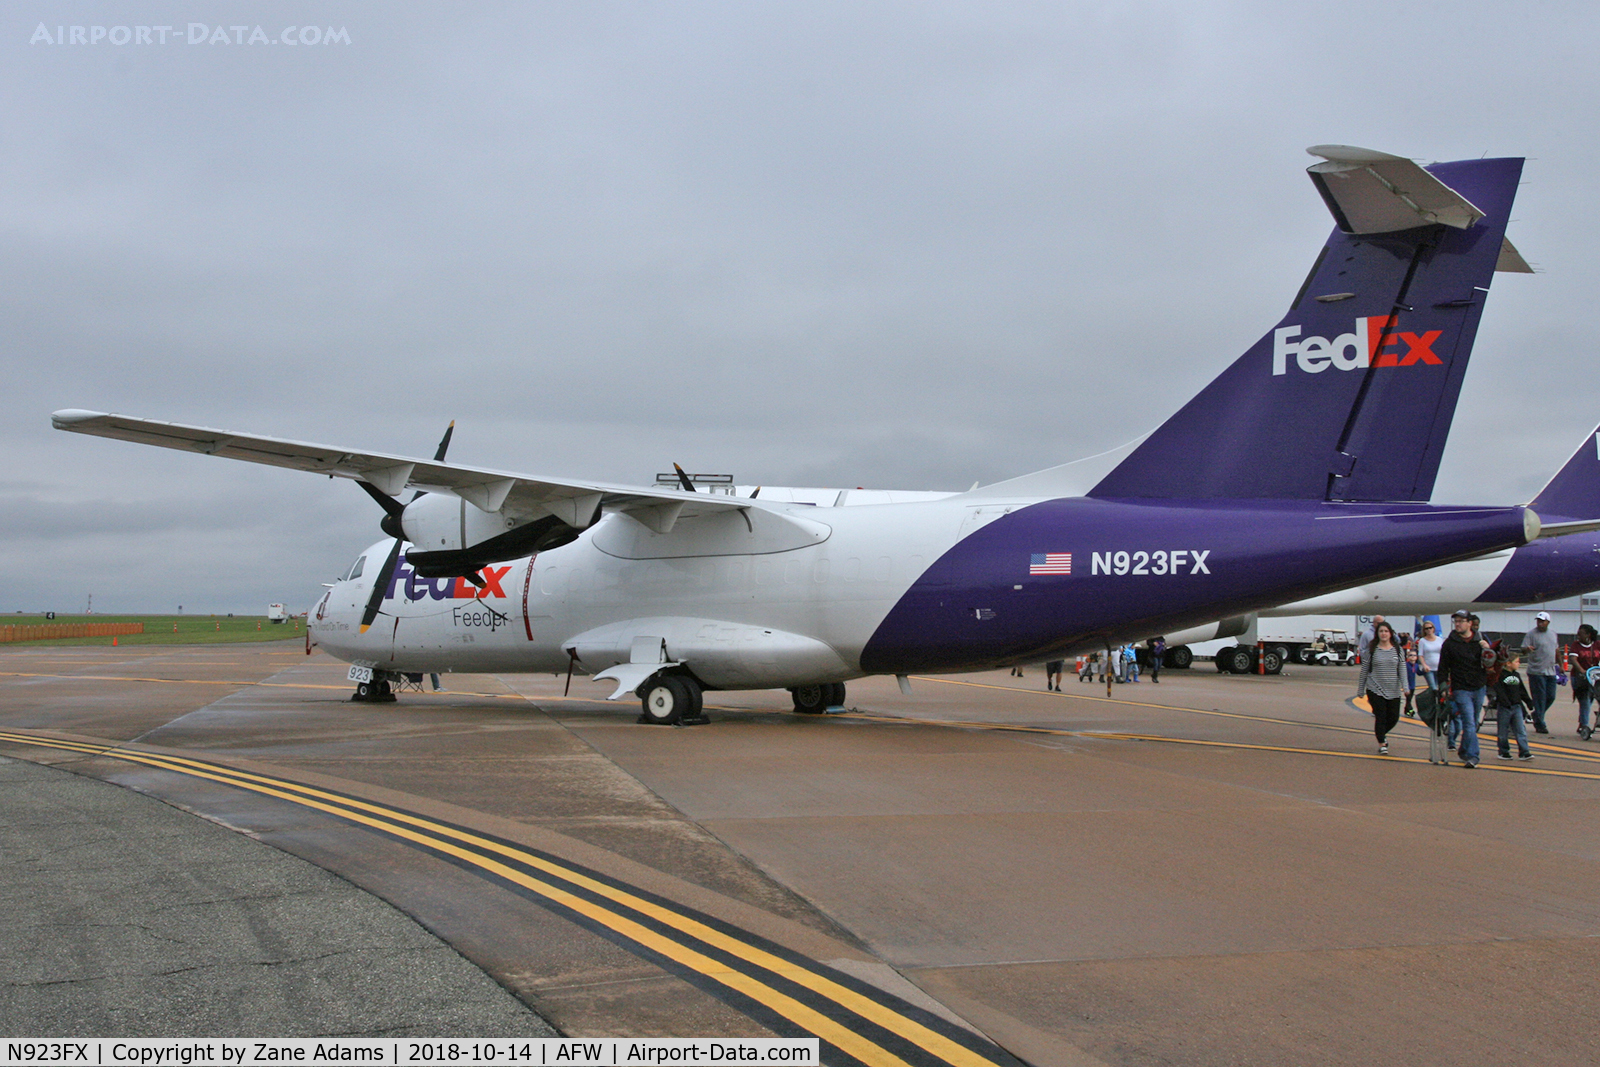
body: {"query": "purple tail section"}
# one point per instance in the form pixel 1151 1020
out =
pixel 1351 397
pixel 1574 493
pixel 1558 567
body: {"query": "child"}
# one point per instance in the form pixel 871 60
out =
pixel 1408 649
pixel 1511 698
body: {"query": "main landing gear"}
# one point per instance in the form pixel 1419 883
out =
pixel 677 700
pixel 671 700
pixel 817 699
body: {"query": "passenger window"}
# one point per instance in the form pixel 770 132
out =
pixel 355 572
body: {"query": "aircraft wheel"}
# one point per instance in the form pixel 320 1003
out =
pixel 363 691
pixel 1179 658
pixel 666 699
pixel 1272 662
pixel 836 695
pixel 1236 660
pixel 811 699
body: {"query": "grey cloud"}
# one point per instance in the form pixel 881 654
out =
pixel 846 244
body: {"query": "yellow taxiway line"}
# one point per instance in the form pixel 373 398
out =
pixel 871 1027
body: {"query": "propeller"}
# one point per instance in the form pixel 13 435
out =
pixel 393 509
pixel 683 479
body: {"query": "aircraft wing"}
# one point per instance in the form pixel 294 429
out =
pixel 576 503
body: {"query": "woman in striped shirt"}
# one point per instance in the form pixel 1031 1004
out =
pixel 1382 681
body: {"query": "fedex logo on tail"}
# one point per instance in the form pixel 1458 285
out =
pixel 1367 346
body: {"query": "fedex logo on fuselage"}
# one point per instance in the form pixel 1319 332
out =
pixel 1367 346
pixel 415 587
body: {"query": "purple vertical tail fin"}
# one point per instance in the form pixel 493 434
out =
pixel 1574 492
pixel 1351 396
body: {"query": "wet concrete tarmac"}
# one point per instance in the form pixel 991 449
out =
pixel 1212 870
pixel 124 916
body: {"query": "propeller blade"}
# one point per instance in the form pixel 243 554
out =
pixel 438 453
pixel 380 585
pixel 683 479
pixel 392 511
pixel 756 493
pixel 389 504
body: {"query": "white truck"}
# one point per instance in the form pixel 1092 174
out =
pixel 1324 639
pixel 276 613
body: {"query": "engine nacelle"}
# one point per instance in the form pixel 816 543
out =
pixel 451 537
pixel 437 522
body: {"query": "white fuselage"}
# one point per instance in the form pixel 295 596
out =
pixel 750 606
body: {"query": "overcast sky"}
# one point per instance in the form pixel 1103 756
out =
pixel 893 245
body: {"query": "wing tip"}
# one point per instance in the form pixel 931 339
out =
pixel 67 418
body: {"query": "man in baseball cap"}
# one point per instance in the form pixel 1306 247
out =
pixel 1539 657
pixel 1463 677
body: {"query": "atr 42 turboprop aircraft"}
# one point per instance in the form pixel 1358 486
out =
pixel 1299 471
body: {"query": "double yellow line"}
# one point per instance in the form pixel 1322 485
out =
pixel 789 993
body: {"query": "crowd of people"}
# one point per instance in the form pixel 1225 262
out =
pixel 1121 663
pixel 1466 675
pixel 1463 674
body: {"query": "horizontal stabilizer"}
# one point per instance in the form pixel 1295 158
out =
pixel 1374 192
pixel 1511 261
pixel 1562 529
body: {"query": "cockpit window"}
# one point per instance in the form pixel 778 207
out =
pixel 355 571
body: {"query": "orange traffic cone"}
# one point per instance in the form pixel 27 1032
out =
pixel 113 640
pixel 258 626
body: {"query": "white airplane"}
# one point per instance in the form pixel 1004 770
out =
pixel 1296 473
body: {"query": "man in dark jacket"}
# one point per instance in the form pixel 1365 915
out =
pixel 1462 674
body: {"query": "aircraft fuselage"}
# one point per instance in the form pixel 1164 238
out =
pixel 938 586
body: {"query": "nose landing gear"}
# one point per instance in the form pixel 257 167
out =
pixel 373 692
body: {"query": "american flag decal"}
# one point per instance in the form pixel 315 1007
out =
pixel 1050 563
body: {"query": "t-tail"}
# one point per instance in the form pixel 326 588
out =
pixel 1350 397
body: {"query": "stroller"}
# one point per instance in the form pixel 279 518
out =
pixel 1435 715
